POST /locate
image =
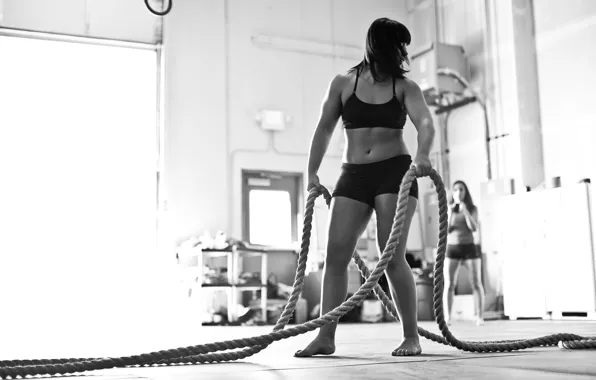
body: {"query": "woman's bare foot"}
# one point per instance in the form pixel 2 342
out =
pixel 319 346
pixel 408 347
pixel 479 321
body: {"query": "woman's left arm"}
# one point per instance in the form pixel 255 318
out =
pixel 420 115
pixel 471 219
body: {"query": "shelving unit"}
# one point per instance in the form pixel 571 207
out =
pixel 233 287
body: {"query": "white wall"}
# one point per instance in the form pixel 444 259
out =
pixel 565 34
pixel 218 78
pixel 459 23
pixel 462 23
pixel 195 178
pixel 558 102
pixel 127 20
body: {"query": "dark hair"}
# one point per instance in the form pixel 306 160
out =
pixel 467 198
pixel 386 52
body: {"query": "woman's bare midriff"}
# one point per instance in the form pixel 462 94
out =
pixel 366 145
pixel 457 237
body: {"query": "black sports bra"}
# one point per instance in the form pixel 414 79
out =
pixel 358 114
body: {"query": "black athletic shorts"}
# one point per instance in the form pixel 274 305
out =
pixel 463 251
pixel 363 182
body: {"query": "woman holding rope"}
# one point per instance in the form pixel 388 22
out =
pixel 373 99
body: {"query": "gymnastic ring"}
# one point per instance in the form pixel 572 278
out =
pixel 159 13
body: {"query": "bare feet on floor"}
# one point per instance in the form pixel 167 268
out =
pixel 408 347
pixel 319 346
pixel 479 321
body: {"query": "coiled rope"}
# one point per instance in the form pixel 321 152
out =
pixel 212 352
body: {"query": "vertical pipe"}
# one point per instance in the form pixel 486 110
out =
pixel 489 172
pixel 438 22
pixel 230 155
pixel 160 131
pixel 442 127
pixel 445 151
pixel 487 71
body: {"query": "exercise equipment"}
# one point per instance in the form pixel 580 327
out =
pixel 212 352
pixel 160 13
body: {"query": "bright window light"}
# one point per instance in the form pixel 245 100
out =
pixel 78 160
pixel 270 217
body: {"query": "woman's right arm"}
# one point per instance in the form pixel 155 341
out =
pixel 330 113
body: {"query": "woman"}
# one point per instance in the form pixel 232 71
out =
pixel 373 99
pixel 462 248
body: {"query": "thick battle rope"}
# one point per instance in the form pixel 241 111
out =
pixel 159 13
pixel 210 353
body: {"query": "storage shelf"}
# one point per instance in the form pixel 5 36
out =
pixel 250 286
pixel 239 286
pixel 234 255
pixel 216 286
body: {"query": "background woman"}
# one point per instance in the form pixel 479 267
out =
pixel 462 249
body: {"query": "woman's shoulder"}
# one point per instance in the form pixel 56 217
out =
pixel 342 79
pixel 405 87
pixel 338 85
pixel 407 84
pixel 345 76
pixel 343 82
pixel 349 75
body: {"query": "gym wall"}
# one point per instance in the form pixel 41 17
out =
pixel 220 73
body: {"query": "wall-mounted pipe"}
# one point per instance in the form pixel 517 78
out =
pixel 307 46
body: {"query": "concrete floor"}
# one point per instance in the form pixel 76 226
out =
pixel 364 353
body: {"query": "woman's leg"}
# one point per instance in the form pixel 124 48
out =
pixel 399 273
pixel 450 271
pixel 348 219
pixel 475 268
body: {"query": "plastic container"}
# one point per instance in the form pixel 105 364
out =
pixel 424 292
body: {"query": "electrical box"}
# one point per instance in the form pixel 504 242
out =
pixel 272 120
pixel 425 63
